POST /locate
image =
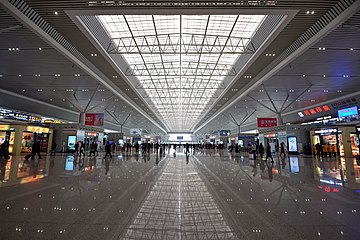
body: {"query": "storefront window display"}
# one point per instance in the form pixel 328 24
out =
pixel 354 144
pixel 34 133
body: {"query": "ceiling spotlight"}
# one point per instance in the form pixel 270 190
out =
pixel 339 91
pixel 304 75
pixel 351 49
pixel 40 48
pixel 56 13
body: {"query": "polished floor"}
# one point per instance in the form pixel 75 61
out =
pixel 207 195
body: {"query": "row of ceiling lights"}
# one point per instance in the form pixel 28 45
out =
pixel 39 75
pixel 292 90
pixel 18 49
pixel 323 49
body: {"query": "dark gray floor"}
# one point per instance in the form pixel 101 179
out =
pixel 209 195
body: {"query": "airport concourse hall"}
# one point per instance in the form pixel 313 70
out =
pixel 179 120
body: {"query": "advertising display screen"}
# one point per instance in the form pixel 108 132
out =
pixel 69 164
pixel 224 133
pixel 292 145
pixel 71 143
pixel 348 114
pixel 94 119
pixel 294 165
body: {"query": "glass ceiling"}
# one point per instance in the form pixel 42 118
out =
pixel 180 60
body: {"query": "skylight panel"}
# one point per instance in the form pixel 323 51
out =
pixel 180 61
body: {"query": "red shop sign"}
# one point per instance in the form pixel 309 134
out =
pixel 266 122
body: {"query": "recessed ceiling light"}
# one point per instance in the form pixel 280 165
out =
pixel 56 13
pixel 0 75
pixel 23 90
pixel 351 49
pixel 40 48
pixel 93 54
pixel 304 75
pixel 339 91
pixel 324 75
pixel 19 75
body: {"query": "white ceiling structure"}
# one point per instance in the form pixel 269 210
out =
pixel 181 60
pixel 185 71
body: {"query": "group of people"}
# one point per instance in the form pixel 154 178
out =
pixel 325 150
pixel 255 149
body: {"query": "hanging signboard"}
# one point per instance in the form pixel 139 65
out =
pixel 266 122
pixel 94 119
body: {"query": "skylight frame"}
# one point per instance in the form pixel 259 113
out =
pixel 138 26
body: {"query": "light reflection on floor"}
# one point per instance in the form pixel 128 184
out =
pixel 179 207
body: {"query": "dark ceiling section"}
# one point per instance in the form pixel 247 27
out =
pixel 294 31
pixel 64 25
pixel 332 72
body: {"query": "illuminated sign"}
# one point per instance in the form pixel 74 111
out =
pixel 224 133
pixel 314 111
pixel 4 127
pixel 90 134
pixel 326 131
pixel 37 129
pixel 348 114
pixel 344 103
pixel 266 122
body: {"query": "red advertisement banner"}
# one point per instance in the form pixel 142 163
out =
pixel 94 119
pixel 266 122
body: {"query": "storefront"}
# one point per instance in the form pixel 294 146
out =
pixel 334 137
pixel 7 133
pixel 21 138
pixel 67 135
pixel 34 133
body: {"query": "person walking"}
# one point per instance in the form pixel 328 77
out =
pixel 92 149
pixel 282 150
pixel 108 150
pixel 268 153
pixel 261 151
pixel 36 149
pixel 187 151
pixel 53 149
pixel 254 150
